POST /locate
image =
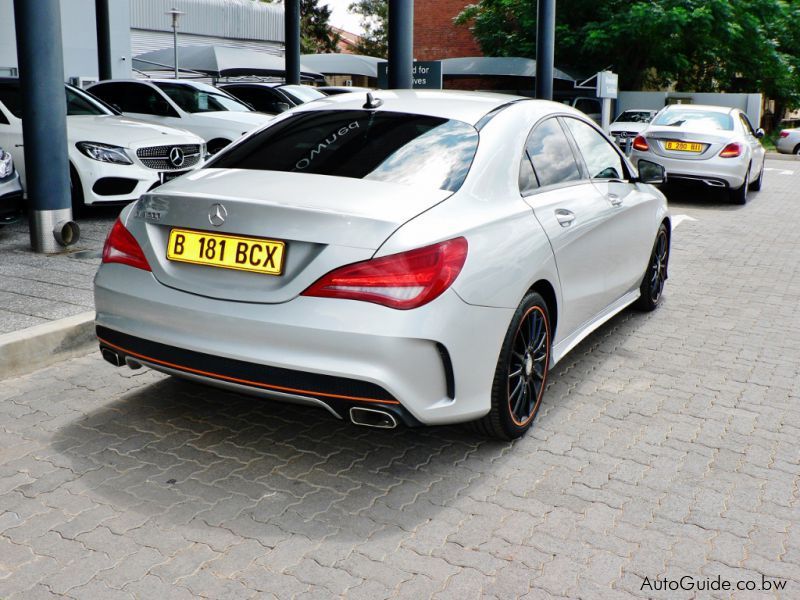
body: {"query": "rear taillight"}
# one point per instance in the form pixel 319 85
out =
pixel 121 247
pixel 401 281
pixel 783 134
pixel 639 143
pixel 732 150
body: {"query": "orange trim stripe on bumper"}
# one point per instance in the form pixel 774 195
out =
pixel 277 388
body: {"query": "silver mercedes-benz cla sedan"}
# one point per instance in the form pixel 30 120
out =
pixel 412 257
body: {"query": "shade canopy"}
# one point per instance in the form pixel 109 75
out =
pixel 219 61
pixel 498 66
pixel 343 64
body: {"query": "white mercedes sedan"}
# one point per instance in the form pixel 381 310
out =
pixel 409 258
pixel 112 159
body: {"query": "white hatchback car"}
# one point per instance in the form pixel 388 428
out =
pixel 209 112
pixel 714 146
pixel 422 258
pixel 112 159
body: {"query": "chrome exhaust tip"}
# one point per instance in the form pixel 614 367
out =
pixel 111 357
pixel 369 417
pixel 713 183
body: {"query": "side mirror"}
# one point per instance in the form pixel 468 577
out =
pixel 650 172
pixel 760 133
pixel 282 106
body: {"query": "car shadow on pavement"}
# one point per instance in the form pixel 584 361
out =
pixel 178 454
pixel 703 198
pixel 181 453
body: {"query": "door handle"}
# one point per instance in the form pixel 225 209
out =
pixel 614 199
pixel 564 217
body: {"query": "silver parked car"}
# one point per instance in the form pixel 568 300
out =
pixel 413 257
pixel 788 141
pixel 710 145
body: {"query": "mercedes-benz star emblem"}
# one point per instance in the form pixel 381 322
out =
pixel 176 157
pixel 217 215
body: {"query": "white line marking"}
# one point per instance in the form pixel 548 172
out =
pixel 780 171
pixel 678 219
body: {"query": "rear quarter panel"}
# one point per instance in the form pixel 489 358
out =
pixel 508 250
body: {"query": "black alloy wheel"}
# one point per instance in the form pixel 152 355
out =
pixel 527 369
pixel 655 276
pixel 521 372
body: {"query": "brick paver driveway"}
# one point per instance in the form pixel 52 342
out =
pixel 667 446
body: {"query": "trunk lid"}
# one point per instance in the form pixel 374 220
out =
pixel 712 141
pixel 324 222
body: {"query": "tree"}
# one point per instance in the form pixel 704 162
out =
pixel 374 19
pixel 697 45
pixel 316 35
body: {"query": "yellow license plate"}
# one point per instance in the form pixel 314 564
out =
pixel 226 251
pixel 684 146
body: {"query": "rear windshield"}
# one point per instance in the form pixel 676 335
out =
pixel 701 119
pixel 302 93
pixel 382 146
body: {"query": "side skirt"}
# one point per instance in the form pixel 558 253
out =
pixel 563 347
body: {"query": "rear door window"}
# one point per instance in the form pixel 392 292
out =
pixel 551 156
pixel 382 146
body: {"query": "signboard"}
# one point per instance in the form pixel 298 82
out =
pixel 426 75
pixel 607 84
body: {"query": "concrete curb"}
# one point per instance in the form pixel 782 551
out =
pixel 46 344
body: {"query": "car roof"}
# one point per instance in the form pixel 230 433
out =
pixel 269 84
pixel 469 107
pixel 196 84
pixel 706 107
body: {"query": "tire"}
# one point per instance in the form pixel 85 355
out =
pixel 521 372
pixel 756 185
pixel 652 287
pixel 796 150
pixel 739 195
pixel 76 192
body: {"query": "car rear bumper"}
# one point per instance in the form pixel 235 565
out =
pixel 431 365
pixel 714 172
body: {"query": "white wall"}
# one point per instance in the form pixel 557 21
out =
pixel 749 103
pixel 79 33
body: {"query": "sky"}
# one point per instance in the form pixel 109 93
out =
pixel 341 18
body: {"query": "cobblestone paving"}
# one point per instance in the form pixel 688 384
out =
pixel 36 288
pixel 667 445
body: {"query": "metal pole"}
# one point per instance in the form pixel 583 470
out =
pixel 175 14
pixel 545 48
pixel 401 44
pixel 292 37
pixel 101 12
pixel 175 45
pixel 44 124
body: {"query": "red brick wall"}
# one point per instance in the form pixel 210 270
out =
pixel 435 35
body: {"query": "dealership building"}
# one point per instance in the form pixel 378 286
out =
pixel 138 26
